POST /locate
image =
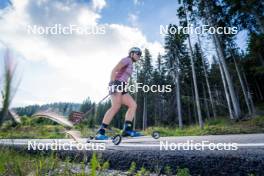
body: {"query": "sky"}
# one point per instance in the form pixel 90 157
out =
pixel 70 68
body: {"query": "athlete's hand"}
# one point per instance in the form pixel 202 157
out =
pixel 112 86
pixel 111 83
pixel 115 82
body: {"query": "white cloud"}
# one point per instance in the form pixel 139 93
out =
pixel 60 67
pixel 133 19
pixel 138 2
pixel 98 4
pixel 88 17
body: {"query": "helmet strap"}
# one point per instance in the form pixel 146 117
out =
pixel 133 60
pixel 132 57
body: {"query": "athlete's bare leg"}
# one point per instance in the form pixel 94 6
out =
pixel 116 100
pixel 132 106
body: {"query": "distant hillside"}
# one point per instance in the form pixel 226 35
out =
pixel 62 108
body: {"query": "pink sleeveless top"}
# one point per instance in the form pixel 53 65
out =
pixel 126 71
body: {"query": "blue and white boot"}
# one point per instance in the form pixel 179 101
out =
pixel 127 131
pixel 131 133
pixel 100 135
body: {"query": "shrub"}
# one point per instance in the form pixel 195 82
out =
pixel 183 172
pixel 132 168
pixel 94 164
pixel 167 170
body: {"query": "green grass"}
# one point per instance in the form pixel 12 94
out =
pixel 14 162
pixel 43 131
pixel 27 131
pixel 211 127
pixel 214 127
pixel 32 128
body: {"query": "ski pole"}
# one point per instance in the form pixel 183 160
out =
pixel 92 108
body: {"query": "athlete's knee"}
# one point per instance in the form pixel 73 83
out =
pixel 133 106
pixel 115 107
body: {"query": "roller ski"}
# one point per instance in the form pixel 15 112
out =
pixel 128 132
pixel 117 139
pixel 102 137
pixel 98 138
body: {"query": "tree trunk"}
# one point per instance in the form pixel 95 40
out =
pixel 205 103
pixel 225 89
pixel 145 113
pixel 136 99
pixel 194 106
pixel 135 117
pixel 237 111
pixel 242 84
pixel 206 79
pixel 197 99
pixel 249 94
pixel 162 108
pixel 155 108
pixel 159 109
pixel 189 110
pixel 230 85
pixel 178 92
pixel 178 96
pixel 218 100
pixel 258 89
pixel 194 77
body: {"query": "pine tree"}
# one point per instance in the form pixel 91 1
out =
pixel 183 15
pixel 175 49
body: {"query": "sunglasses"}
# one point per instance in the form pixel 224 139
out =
pixel 138 53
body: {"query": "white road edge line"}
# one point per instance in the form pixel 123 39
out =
pixel 158 145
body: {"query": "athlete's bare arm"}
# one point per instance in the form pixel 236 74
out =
pixel 116 69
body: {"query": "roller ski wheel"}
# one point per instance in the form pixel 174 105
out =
pixel 155 134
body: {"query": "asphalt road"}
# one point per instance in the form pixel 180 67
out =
pixel 203 155
pixel 243 140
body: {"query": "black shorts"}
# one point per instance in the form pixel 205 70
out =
pixel 118 86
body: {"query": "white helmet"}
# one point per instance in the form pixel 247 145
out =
pixel 135 50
